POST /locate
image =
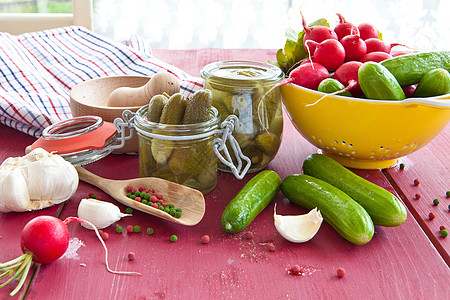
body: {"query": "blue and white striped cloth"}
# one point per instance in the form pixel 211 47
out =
pixel 38 70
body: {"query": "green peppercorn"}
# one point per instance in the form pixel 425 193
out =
pixel 179 209
pixel 444 232
pixel 402 166
pixel 173 238
pixel 137 194
pixel 435 201
pixel 119 229
pixel 133 197
pixel 150 231
pixel 137 228
pixel 147 196
pixel 171 205
pixel 129 194
pixel 129 210
pixel 447 194
pixel 172 212
pixel 144 201
pixel 94 196
pixel 177 214
pixel 149 203
pixel 167 209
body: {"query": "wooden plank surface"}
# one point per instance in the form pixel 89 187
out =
pixel 399 263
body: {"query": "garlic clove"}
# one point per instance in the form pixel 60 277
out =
pixel 298 228
pixel 100 213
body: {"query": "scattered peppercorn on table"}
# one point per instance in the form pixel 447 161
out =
pixel 410 261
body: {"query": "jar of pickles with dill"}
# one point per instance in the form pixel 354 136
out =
pixel 246 89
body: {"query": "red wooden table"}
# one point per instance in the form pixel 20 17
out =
pixel 406 262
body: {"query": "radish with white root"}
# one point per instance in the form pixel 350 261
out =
pixel 329 53
pixel 344 28
pixel 367 31
pixel 347 74
pixel 317 34
pixel 376 45
pixel 44 239
pixel 377 56
pixel 355 47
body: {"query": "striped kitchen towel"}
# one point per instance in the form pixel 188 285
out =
pixel 38 70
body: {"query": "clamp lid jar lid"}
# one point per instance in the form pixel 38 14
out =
pixel 241 73
pixel 79 140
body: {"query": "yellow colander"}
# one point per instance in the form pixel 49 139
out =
pixel 362 133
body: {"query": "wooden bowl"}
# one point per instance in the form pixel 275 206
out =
pixel 90 98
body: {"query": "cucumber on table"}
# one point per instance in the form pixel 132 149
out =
pixel 383 207
pixel 338 209
pixel 250 201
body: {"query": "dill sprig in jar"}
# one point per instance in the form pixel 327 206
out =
pixel 245 89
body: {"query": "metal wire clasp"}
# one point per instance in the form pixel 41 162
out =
pixel 121 124
pixel 219 144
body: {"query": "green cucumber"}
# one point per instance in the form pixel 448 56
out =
pixel 250 201
pixel 435 83
pixel 410 68
pixel 331 86
pixel 338 209
pixel 378 83
pixel 383 207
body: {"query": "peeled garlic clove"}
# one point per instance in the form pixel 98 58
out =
pixel 100 213
pixel 299 228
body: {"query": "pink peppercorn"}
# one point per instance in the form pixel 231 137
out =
pixel 295 269
pixel 138 199
pixel 416 181
pixel 151 191
pixel 142 188
pixel 131 256
pixel 91 193
pixel 134 190
pixel 159 196
pixel 271 247
pixel 442 227
pixel 340 272
pixel 205 239
pixel 129 188
pixel 155 205
pixel 417 196
pixel 164 204
pixel 105 236
pixel 130 228
pixel 249 234
pixel 431 216
pixel 153 199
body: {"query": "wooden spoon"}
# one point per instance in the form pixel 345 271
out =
pixel 191 201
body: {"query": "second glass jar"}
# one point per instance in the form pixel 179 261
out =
pixel 245 89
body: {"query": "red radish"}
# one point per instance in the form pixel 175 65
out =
pixel 330 53
pixel 376 45
pixel 344 28
pixel 354 46
pixel 307 75
pixel 44 239
pixel 367 31
pixel 347 73
pixel 409 91
pixel 375 56
pixel 317 34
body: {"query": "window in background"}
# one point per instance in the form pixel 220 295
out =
pixel 178 24
pixel 35 6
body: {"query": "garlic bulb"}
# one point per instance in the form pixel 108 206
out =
pixel 100 213
pixel 299 228
pixel 36 181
